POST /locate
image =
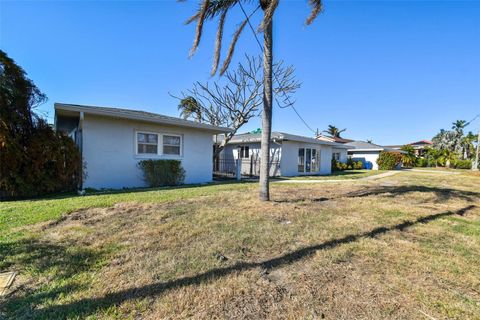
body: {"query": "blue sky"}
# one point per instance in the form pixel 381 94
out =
pixel 391 71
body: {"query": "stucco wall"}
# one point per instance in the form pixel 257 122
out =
pixel 109 149
pixel 289 161
pixel 343 154
pixel 287 152
pixel 368 158
pixel 230 153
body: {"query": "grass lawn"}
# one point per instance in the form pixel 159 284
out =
pixel 405 246
pixel 338 175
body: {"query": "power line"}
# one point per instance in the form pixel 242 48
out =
pixel 290 104
pixel 474 118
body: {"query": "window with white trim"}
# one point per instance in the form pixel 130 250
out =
pixel 147 143
pixel 171 144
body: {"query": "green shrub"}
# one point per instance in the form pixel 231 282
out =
pixel 158 173
pixel 389 160
pixel 462 164
pixel 421 162
pixel 350 165
pixel 358 165
pixel 338 166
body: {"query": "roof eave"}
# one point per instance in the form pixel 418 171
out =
pixel 60 106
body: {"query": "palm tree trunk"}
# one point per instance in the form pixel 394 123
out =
pixel 267 113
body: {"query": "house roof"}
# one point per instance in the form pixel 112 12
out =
pixel 359 146
pixel 417 144
pixel 334 139
pixel 421 142
pixel 136 115
pixel 281 136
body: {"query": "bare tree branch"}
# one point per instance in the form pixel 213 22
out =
pixel 237 99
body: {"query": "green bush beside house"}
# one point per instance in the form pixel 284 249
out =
pixel 159 173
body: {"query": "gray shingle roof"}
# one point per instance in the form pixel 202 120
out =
pixel 138 115
pixel 282 136
pixel 365 146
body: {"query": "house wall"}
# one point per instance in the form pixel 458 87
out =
pixel 109 150
pixel 287 155
pixel 289 160
pixel 369 159
pixel 230 153
pixel 343 154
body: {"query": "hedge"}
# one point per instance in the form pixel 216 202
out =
pixel 158 173
pixel 389 160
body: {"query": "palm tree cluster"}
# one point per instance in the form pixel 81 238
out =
pixel 453 147
pixel 213 9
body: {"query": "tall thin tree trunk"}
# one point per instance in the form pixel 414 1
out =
pixel 267 113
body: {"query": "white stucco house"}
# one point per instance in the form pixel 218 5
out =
pixel 367 152
pixel 340 154
pixel 112 141
pixel 290 155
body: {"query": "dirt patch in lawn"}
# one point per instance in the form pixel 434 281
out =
pixel 373 250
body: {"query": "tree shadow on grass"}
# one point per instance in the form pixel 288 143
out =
pixel 36 259
pixel 441 194
pixel 88 306
pixel 348 173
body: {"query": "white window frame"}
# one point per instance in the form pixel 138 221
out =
pixel 159 144
pixel 180 145
pixel 317 156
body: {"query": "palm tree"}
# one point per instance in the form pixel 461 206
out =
pixel 334 131
pixel 189 107
pixel 409 158
pixel 458 126
pixel 210 9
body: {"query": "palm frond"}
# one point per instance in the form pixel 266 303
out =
pixel 218 43
pixel 215 7
pixel 200 20
pixel 231 49
pixel 192 18
pixel 317 7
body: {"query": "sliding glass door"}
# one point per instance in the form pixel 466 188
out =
pixel 308 160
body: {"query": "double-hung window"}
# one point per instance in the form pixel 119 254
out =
pixel 148 143
pixel 171 144
pixel 308 160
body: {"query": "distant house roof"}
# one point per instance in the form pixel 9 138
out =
pixel 421 142
pixel 362 146
pixel 342 140
pixel 334 139
pixel 281 136
pixel 63 108
pixel 417 144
